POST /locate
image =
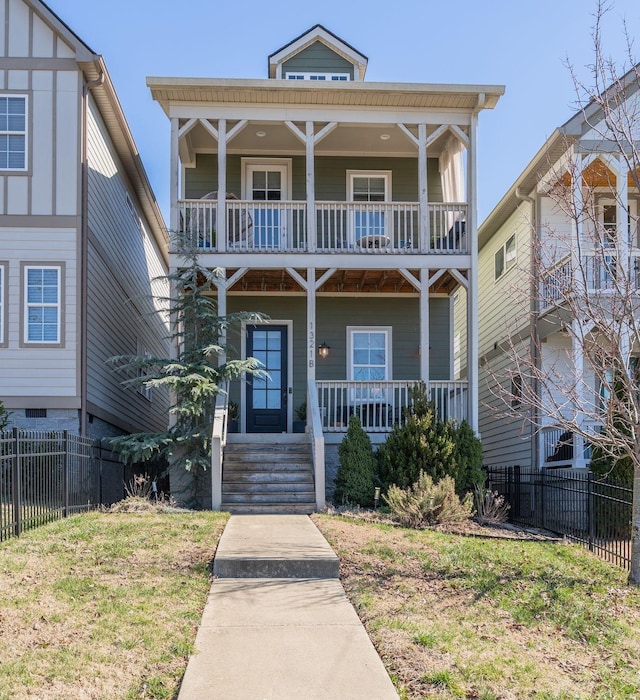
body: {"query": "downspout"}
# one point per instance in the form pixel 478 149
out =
pixel 84 251
pixel 534 336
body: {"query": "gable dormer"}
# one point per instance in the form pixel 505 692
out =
pixel 319 55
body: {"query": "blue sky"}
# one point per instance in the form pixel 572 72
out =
pixel 523 46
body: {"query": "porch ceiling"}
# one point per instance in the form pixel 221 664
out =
pixel 342 281
pixel 354 139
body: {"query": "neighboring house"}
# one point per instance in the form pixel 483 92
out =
pixel 81 236
pixel 345 210
pixel 530 249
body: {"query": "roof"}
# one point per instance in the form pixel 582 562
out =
pixel 352 94
pixel 322 34
pixel 104 93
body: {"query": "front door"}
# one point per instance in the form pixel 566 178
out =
pixel 267 396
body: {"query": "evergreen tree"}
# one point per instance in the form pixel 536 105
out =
pixel 356 478
pixel 193 378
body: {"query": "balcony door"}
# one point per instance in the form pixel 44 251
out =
pixel 370 225
pixel 267 183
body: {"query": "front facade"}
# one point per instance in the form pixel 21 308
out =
pixel 567 230
pixel 345 211
pixel 81 237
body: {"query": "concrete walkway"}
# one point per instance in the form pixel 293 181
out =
pixel 277 624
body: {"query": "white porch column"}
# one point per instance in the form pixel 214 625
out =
pixel 424 325
pixel 174 178
pixel 577 352
pixel 423 193
pixel 472 291
pixel 311 188
pixel 311 324
pixel 577 223
pixel 221 208
pixel 622 218
pixel 222 311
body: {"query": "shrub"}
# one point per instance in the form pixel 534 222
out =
pixel 356 478
pixel 428 502
pixel 468 457
pixel 490 506
pixel 422 444
pixel 4 417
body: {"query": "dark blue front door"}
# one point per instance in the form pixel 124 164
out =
pixel 267 396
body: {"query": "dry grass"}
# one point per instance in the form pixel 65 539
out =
pixel 104 605
pixel 464 615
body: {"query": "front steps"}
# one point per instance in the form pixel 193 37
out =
pixel 268 473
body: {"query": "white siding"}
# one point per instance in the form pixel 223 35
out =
pixel 43 39
pixel 67 142
pixel 42 156
pixel 506 441
pixel 18 28
pixel 122 261
pixel 39 371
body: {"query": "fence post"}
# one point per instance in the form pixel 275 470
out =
pixel 16 485
pixel 590 511
pixel 542 499
pixel 65 474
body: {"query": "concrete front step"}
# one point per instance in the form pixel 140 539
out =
pixel 263 496
pixel 251 459
pixel 268 476
pixel 276 488
pixel 270 546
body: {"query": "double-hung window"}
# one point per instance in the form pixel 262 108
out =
pixel 13 132
pixel 505 257
pixel 369 190
pixel 42 304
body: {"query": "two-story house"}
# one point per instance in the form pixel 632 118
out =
pixel 344 210
pixel 82 238
pixel 558 255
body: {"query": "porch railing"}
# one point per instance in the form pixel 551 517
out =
pixel 597 273
pixel 381 405
pixel 354 227
pixel 218 442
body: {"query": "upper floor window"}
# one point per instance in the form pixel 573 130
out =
pixel 318 76
pixel 43 300
pixel 505 257
pixel 13 132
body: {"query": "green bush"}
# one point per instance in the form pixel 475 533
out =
pixel 356 478
pixel 428 502
pixel 426 443
pixel 4 417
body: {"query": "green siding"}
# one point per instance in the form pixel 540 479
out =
pixel 317 58
pixel 330 172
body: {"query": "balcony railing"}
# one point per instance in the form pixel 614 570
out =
pixel 354 227
pixel 381 405
pixel 597 273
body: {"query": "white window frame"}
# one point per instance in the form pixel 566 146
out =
pixel 59 268
pixel 632 213
pixel 318 76
pixel 387 330
pixel 24 132
pixel 507 262
pixel 4 266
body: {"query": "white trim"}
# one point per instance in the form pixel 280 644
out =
pixel 387 330
pixel 276 163
pixel 9 132
pixel 243 384
pixel 386 174
pixel 503 249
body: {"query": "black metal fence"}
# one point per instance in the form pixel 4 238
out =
pixel 583 506
pixel 46 475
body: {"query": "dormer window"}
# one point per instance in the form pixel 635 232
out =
pixel 317 76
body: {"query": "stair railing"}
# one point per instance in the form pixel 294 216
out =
pixel 314 427
pixel 218 441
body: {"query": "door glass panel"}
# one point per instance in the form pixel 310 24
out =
pixel 366 221
pixel 267 391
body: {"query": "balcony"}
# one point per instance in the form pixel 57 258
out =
pixel 596 274
pixel 353 227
